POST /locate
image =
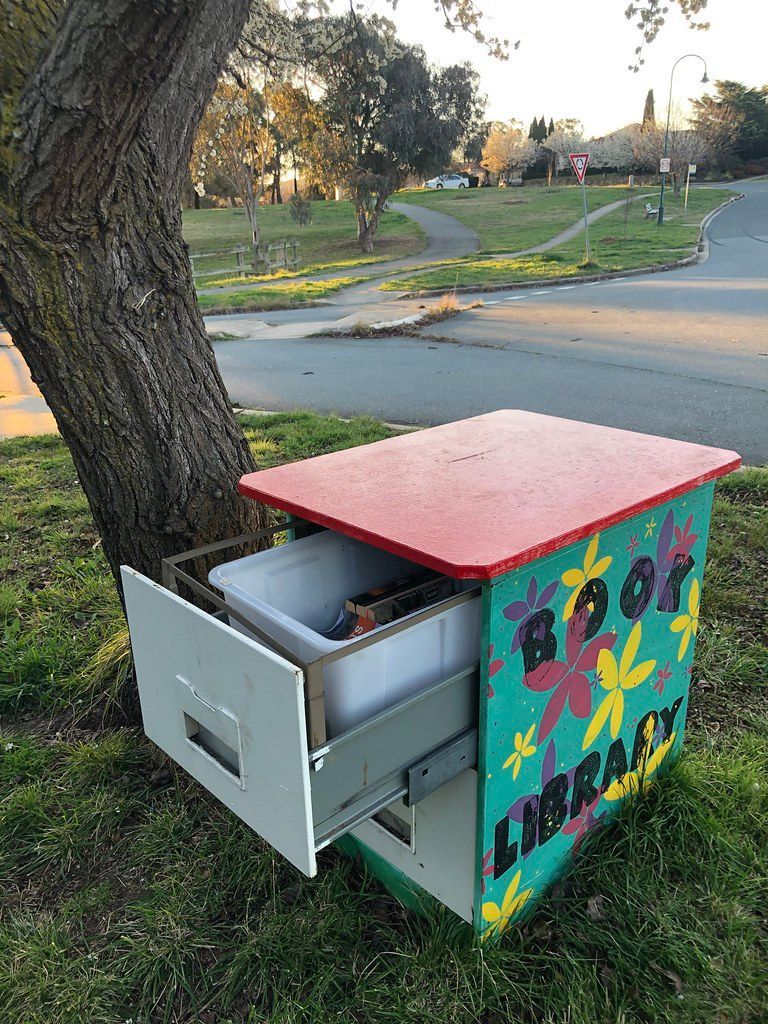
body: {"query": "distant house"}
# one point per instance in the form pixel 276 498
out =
pixel 478 171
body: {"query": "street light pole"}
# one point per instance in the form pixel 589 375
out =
pixel 705 79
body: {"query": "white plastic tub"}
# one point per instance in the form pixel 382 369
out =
pixel 293 590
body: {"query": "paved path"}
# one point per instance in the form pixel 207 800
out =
pixel 447 239
pixel 683 354
pixel 573 231
pixel 22 409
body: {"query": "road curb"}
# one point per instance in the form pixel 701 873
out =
pixel 237 410
pixel 701 254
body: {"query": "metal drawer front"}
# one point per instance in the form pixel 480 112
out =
pixel 232 713
pixel 228 710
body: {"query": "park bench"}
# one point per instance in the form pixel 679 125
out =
pixel 650 211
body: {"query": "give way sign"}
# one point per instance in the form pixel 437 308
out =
pixel 579 163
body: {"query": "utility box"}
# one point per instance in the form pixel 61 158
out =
pixel 464 750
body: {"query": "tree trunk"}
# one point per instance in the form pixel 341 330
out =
pixel 95 282
pixel 368 223
pixel 277 195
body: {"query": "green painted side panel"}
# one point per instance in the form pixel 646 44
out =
pixel 404 889
pixel 585 677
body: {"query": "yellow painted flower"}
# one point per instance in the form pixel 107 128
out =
pixel 687 624
pixel 576 578
pixel 639 780
pixel 523 748
pixel 513 902
pixel 616 679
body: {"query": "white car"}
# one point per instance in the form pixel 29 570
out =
pixel 448 181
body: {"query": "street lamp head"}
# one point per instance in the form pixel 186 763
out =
pixel 705 78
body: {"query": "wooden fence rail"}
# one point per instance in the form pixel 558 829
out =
pixel 267 257
pixel 238 252
pixel 283 254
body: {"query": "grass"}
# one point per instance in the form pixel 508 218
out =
pixel 645 245
pixel 511 219
pixel 292 295
pixel 329 243
pixel 129 894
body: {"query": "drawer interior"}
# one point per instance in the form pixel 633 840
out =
pixel 232 713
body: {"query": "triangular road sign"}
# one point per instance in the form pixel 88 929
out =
pixel 579 163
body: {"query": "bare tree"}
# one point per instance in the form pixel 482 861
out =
pixel 685 146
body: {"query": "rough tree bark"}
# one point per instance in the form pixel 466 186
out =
pixel 100 103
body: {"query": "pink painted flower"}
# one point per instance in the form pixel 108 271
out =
pixel 662 675
pixel 568 679
pixel 487 869
pixel 583 822
pixel 684 540
pixel 494 665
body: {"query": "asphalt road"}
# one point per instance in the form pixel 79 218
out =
pixel 682 354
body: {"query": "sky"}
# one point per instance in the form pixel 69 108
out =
pixel 573 57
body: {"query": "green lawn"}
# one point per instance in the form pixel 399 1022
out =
pixel 645 245
pixel 511 219
pixel 129 894
pixel 328 243
pixel 286 295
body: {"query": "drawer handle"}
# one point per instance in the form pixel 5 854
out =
pixel 213 745
pixel 213 732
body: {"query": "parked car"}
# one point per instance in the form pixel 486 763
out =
pixel 448 181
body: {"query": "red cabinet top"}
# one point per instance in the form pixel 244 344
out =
pixel 482 496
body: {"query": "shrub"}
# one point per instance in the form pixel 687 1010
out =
pixel 300 209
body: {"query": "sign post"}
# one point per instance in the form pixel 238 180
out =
pixel 630 186
pixel 579 163
pixel 691 170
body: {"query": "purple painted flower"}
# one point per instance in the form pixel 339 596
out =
pixel 659 733
pixel 522 610
pixel 672 549
pixel 517 811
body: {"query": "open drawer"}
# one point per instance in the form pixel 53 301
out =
pixel 233 713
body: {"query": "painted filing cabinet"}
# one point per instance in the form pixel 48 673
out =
pixel 585 548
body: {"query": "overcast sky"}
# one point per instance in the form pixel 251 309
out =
pixel 573 56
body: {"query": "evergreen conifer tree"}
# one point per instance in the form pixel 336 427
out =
pixel 649 113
